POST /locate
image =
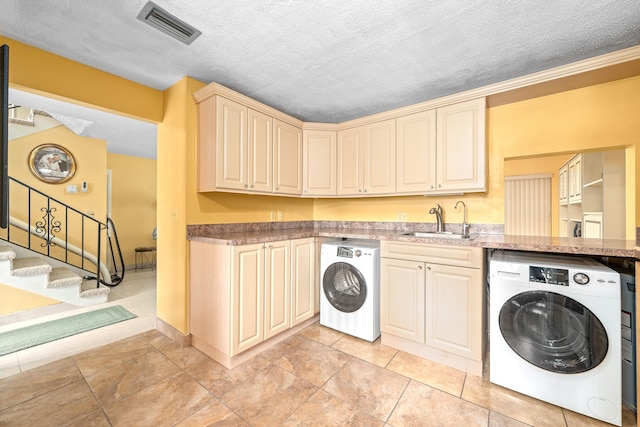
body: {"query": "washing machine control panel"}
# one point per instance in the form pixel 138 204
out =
pixel 549 275
pixel 345 252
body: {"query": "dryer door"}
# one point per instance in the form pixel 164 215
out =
pixel 553 332
pixel 344 286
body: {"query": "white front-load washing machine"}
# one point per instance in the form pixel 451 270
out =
pixel 555 331
pixel 350 282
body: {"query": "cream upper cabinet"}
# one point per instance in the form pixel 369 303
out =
pixel 242 149
pixel 260 149
pixel 302 280
pixel 231 144
pixel 349 164
pixel 319 153
pixel 247 297
pixel 379 165
pixel 287 159
pixel 416 153
pixel 244 146
pixel 460 147
pixel 366 160
pixel 277 288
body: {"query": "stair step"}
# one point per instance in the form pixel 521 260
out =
pixel 61 277
pixel 7 252
pixel 30 267
pixel 88 289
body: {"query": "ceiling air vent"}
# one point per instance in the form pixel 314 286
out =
pixel 162 20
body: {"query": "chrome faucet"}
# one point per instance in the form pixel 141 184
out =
pixel 465 225
pixel 438 213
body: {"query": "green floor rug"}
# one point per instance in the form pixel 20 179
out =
pixel 31 336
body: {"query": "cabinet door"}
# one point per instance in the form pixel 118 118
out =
pixel 454 315
pixel 350 162
pixel 592 225
pixel 247 302
pixel 402 293
pixel 563 184
pixel 260 152
pixel 302 280
pixel 416 152
pixel 277 288
pixel 460 147
pixel 231 144
pixel 287 159
pixel 575 179
pixel 379 162
pixel 207 144
pixel 319 153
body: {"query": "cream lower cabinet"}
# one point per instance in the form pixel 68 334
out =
pixel 432 302
pixel 302 280
pixel 260 293
pixel 244 295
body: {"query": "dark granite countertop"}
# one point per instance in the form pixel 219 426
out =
pixel 242 234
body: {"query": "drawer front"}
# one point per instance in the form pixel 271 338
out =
pixel 437 254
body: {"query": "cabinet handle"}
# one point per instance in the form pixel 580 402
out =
pixel 365 190
pixel 246 186
pixel 432 187
pixel 419 267
pixel 428 268
pixel 439 185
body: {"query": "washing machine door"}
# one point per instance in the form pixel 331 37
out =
pixel 344 286
pixel 553 332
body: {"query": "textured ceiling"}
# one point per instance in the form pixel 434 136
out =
pixel 330 60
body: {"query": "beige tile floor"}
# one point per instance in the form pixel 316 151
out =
pixel 317 377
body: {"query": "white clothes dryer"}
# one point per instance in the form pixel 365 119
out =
pixel 555 331
pixel 350 288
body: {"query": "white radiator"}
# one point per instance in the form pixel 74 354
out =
pixel 527 205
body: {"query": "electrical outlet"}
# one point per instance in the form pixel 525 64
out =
pixel 174 215
pixel 280 216
pixel 402 216
pixel 272 216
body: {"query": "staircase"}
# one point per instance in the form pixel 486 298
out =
pixel 61 283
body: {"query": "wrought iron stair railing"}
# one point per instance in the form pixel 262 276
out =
pixel 49 227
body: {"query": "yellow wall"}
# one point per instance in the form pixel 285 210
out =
pixel 133 201
pixel 38 71
pixel 175 134
pixel 91 165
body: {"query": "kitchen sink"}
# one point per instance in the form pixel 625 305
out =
pixel 436 235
